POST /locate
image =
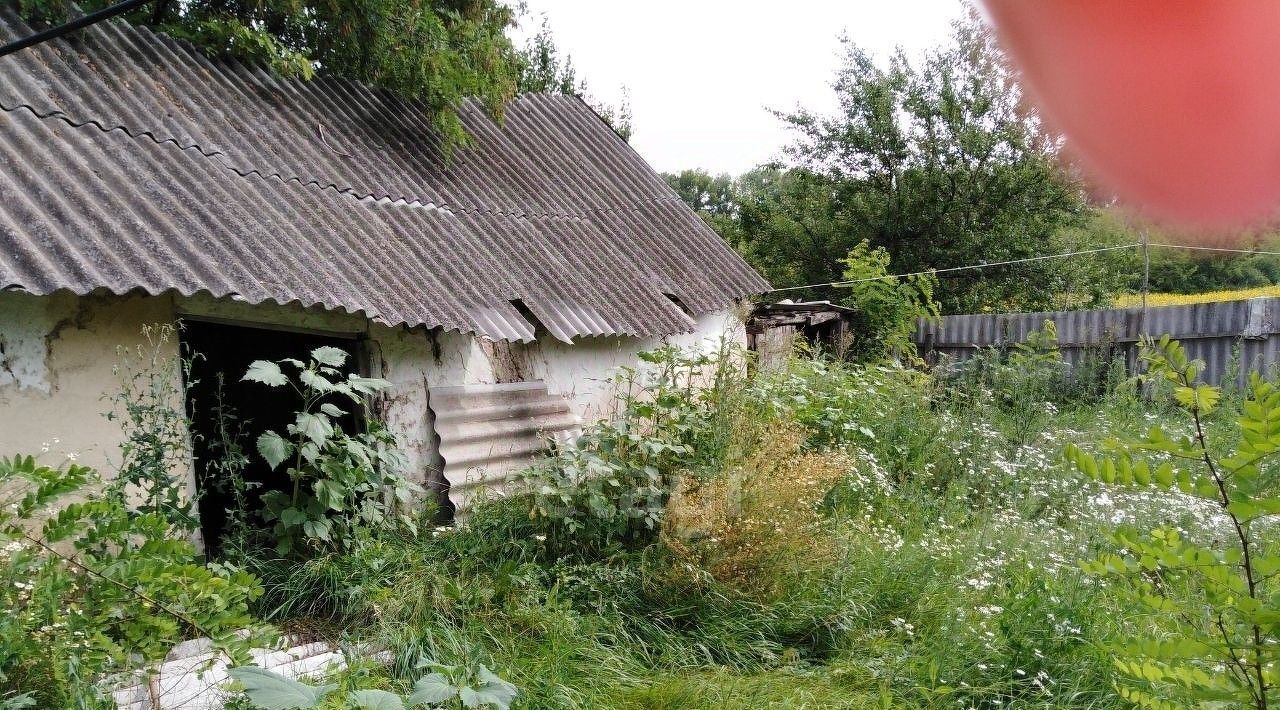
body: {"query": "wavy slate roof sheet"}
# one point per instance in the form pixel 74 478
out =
pixel 129 160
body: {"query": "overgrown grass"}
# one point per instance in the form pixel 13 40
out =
pixel 836 536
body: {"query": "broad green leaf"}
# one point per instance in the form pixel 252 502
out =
pixel 266 372
pixel 274 448
pixel 330 493
pixel 374 700
pixel 493 689
pixel 1142 473
pixel 432 689
pixel 315 427
pixel 271 691
pixel 329 355
pixel 367 385
pixel 331 410
pixel 317 528
pixel 1202 397
pixel 1264 506
pixel 315 381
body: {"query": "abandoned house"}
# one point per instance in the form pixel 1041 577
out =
pixel 142 183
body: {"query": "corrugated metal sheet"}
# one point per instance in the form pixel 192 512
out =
pixel 129 160
pixel 1209 331
pixel 488 432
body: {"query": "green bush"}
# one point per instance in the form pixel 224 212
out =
pixel 888 306
pixel 1213 603
pixel 610 486
pixel 95 591
pixel 341 481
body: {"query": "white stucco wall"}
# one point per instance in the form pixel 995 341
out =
pixel 58 354
pixel 581 371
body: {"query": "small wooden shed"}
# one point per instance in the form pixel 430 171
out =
pixel 773 328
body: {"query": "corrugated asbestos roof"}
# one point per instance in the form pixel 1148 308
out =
pixel 129 160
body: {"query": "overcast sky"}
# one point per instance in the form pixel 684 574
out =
pixel 702 73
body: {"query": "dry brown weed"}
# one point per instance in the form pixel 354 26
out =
pixel 761 522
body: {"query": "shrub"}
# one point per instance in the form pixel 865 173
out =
pixel 1213 604
pixel 340 481
pixel 149 409
pixel 92 588
pixel 610 486
pixel 888 306
pixel 759 525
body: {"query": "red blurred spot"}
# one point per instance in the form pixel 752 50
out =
pixel 1173 104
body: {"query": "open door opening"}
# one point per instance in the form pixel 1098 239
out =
pixel 228 414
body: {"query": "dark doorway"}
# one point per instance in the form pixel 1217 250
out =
pixel 224 409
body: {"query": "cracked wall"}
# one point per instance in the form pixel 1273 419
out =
pixel 59 359
pixel 25 323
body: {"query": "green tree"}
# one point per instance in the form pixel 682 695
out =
pixel 704 192
pixel 792 229
pixel 937 162
pixel 888 307
pixel 436 51
pixel 713 197
pixel 542 69
pixel 1173 270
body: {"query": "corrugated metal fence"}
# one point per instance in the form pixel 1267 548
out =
pixel 1210 331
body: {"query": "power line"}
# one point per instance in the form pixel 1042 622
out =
pixel 953 269
pixel 986 265
pixel 1219 249
pixel 72 26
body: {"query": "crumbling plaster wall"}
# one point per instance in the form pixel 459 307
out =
pixel 57 363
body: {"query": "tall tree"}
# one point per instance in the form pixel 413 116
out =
pixel 704 192
pixel 939 163
pixel 435 51
pixel 543 70
pixel 791 228
pixel 713 197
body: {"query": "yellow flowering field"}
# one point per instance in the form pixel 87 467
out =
pixel 1176 299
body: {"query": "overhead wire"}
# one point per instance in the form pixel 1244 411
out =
pixel 69 27
pixel 1011 262
pixel 952 269
pixel 1262 252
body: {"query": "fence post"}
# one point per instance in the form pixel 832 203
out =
pixel 1146 283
